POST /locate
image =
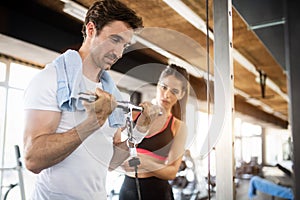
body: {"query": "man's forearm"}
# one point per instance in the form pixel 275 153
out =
pixel 49 149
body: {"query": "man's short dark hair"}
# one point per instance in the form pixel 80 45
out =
pixel 103 12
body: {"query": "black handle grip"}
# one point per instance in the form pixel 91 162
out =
pixel 18 155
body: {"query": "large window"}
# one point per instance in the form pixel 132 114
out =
pixel 14 78
pixel 280 139
pixel 2 117
pixel 248 141
pixel 2 71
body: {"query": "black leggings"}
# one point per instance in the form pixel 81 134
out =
pixel 151 189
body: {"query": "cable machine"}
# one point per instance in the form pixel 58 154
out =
pixel 17 168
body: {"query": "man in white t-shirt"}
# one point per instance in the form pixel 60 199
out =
pixel 68 147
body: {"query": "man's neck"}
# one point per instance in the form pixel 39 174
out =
pixel 89 70
pixel 93 75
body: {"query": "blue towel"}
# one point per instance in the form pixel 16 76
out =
pixel 268 187
pixel 116 118
pixel 70 82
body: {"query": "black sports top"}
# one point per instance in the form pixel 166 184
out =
pixel 158 145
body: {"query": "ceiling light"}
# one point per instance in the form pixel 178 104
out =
pixel 74 9
pixel 268 109
pixel 183 10
pixel 241 93
pixel 172 59
pixel 254 102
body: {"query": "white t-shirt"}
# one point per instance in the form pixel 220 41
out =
pixel 82 175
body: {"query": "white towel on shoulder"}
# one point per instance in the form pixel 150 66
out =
pixel 70 82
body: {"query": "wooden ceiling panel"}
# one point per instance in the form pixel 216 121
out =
pixel 247 83
pixel 250 46
pixel 242 77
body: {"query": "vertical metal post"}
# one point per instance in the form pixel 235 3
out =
pixel 224 100
pixel 263 143
pixel 2 133
pixel 1 164
pixel 292 32
pixel 20 173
